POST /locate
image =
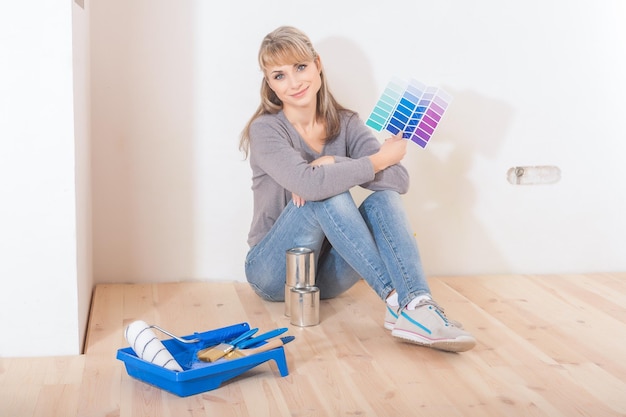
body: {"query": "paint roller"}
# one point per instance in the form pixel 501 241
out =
pixel 146 346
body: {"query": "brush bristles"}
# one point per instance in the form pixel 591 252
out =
pixel 215 353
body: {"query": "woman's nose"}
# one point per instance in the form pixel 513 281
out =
pixel 295 82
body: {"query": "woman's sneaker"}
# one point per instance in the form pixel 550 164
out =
pixel 427 325
pixel 391 316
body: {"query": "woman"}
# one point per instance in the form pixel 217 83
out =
pixel 306 152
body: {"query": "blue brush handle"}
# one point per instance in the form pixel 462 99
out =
pixel 253 341
pixel 244 336
pixel 287 339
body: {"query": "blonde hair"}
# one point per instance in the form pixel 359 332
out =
pixel 287 45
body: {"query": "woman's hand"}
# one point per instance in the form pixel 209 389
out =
pixel 322 160
pixel 297 200
pixel 390 153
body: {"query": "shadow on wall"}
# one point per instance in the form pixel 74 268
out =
pixel 442 195
pixel 142 140
pixel 441 199
pixel 351 81
pixel 349 73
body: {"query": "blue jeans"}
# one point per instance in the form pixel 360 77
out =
pixel 373 242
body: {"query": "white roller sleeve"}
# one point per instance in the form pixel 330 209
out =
pixel 147 347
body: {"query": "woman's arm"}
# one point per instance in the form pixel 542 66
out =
pixel 272 153
pixel 390 153
pixel 323 160
pixel 390 175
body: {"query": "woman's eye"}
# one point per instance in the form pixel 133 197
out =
pixel 278 76
pixel 301 67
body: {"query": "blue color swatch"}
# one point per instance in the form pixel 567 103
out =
pixel 411 108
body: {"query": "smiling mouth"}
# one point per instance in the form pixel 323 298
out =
pixel 300 93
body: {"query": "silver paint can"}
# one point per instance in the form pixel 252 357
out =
pixel 305 306
pixel 300 268
pixel 300 272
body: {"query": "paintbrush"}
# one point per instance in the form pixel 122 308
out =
pixel 272 344
pixel 214 353
pixel 257 340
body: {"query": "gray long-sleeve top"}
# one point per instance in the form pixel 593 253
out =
pixel 280 159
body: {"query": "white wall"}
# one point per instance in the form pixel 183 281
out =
pixel 534 83
pixel 82 146
pixel 40 308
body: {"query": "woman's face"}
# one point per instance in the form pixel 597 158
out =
pixel 296 85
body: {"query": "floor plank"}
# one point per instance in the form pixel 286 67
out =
pixel 547 346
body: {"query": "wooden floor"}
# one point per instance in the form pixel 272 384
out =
pixel 547 346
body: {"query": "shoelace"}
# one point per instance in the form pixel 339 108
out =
pixel 440 311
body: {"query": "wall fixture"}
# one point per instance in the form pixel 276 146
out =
pixel 533 175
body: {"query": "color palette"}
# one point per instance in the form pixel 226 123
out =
pixel 411 108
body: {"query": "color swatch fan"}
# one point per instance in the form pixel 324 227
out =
pixel 410 107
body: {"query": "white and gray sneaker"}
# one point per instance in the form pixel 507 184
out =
pixel 427 325
pixel 391 316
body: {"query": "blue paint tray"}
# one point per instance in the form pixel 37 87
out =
pixel 198 376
